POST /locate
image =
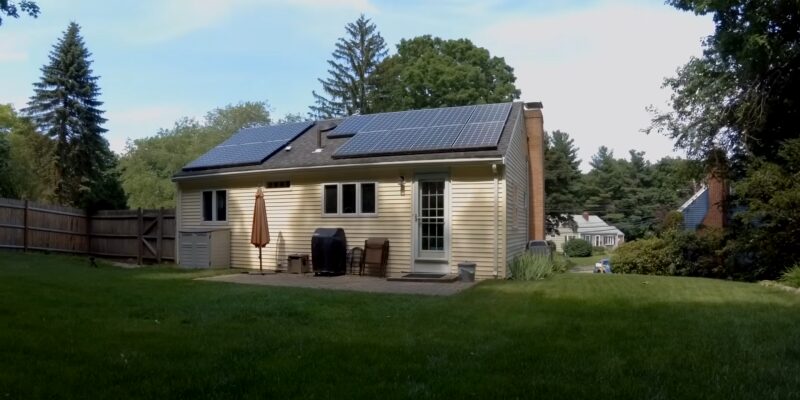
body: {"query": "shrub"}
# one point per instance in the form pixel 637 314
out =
pixel 643 256
pixel 697 254
pixel 530 267
pixel 672 221
pixel 598 250
pixel 577 248
pixel 561 263
pixel 791 276
pixel 552 245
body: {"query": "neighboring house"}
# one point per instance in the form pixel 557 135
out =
pixel 590 228
pixel 706 208
pixel 443 185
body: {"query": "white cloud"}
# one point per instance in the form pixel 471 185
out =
pixel 138 122
pixel 11 48
pixel 597 68
pixel 171 19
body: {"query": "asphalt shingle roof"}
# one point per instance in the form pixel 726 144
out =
pixel 303 154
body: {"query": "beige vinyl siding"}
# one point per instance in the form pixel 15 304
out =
pixel 294 213
pixel 472 212
pixel 516 175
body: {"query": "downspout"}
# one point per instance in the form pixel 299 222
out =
pixel 496 217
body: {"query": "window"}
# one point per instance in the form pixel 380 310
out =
pixel 368 198
pixel 279 184
pixel 349 199
pixel 331 199
pixel 609 240
pixel 215 205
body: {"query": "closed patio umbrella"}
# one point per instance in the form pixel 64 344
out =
pixel 259 235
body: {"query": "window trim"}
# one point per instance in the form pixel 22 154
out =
pixel 339 213
pixel 214 220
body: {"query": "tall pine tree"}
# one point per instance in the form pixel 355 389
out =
pixel 65 105
pixel 562 181
pixel 348 88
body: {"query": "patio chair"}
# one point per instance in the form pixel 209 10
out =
pixel 376 255
pixel 354 258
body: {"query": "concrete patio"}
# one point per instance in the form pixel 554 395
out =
pixel 344 282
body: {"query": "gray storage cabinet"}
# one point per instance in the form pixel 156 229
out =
pixel 205 248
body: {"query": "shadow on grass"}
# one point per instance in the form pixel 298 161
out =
pixel 122 334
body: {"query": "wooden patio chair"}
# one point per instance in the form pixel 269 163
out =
pixel 376 254
pixel 355 257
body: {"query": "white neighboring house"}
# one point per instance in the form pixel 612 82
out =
pixel 590 228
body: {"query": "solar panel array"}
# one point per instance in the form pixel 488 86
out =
pixel 443 129
pixel 250 146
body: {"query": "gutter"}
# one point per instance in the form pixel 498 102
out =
pixel 319 167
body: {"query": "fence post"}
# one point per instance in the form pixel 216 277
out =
pixel 160 238
pixel 88 233
pixel 25 227
pixel 140 234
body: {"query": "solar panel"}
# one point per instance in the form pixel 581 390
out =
pixel 250 146
pixel 401 120
pixel 252 153
pixel 350 126
pixel 480 135
pixel 490 113
pixel 453 115
pixel 436 138
pixel 283 132
pixel 443 129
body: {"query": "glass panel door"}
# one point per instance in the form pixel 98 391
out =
pixel 431 220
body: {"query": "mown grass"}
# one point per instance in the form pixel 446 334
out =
pixel 588 261
pixel 70 331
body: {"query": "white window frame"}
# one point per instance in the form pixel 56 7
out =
pixel 339 213
pixel 609 240
pixel 214 216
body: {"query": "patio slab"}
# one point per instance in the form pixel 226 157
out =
pixel 344 282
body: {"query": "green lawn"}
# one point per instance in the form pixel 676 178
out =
pixel 588 261
pixel 70 331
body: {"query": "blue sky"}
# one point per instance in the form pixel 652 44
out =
pixel 595 65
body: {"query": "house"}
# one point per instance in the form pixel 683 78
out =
pixel 706 208
pixel 444 185
pixel 590 228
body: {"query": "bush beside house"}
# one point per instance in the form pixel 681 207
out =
pixel 577 248
pixel 674 252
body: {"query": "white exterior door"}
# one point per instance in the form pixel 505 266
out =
pixel 431 225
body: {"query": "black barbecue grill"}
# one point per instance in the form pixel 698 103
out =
pixel 329 251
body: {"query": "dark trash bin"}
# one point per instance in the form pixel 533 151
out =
pixel 329 251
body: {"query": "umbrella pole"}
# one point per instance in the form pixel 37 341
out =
pixel 260 269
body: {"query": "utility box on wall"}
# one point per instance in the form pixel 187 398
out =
pixel 205 248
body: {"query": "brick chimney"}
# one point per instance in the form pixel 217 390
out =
pixel 586 216
pixel 717 199
pixel 534 129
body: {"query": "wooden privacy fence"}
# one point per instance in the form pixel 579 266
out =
pixel 146 235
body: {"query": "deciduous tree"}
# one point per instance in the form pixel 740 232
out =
pixel 741 94
pixel 429 72
pixel 31 172
pixel 149 163
pixel 12 8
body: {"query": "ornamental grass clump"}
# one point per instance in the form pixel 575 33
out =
pixel 530 267
pixel 791 277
